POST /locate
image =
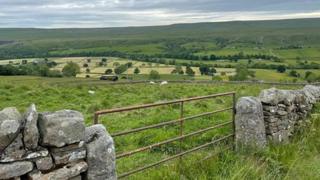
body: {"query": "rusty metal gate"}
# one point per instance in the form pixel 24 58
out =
pixel 179 122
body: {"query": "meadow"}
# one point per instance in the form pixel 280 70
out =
pixel 164 69
pixel 224 45
pixel 277 162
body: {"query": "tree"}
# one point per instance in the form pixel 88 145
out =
pixel 85 65
pixel 115 64
pixel 71 69
pixel 189 71
pixel 204 69
pixel 154 75
pixel 87 70
pixel 104 60
pixel 294 73
pixel 120 69
pixel 108 71
pixel 136 71
pixel 281 68
pixel 44 70
pixel 242 73
pixel 24 61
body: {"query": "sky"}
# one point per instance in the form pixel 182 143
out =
pixel 120 13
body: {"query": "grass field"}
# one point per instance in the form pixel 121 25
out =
pixel 50 94
pixel 164 70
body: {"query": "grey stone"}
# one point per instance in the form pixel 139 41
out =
pixel 15 151
pixel 275 96
pixel 65 173
pixel 15 169
pixel 34 175
pixel 44 164
pixel 281 136
pixel 30 131
pixel 100 154
pixel 10 124
pixel 76 178
pixel 282 113
pixel 41 152
pixel 313 90
pixel 20 154
pixel 249 122
pixel 61 128
pixel 68 153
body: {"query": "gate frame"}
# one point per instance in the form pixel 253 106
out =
pixel 179 121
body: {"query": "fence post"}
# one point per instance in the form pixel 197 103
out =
pixel 234 118
pixel 95 118
pixel 181 124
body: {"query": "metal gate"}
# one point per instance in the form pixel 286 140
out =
pixel 179 122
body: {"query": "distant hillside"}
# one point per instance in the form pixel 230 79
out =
pixel 16 42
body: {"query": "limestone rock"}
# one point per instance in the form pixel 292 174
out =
pixel 65 173
pixel 10 124
pixel 15 169
pixel 100 154
pixel 76 178
pixel 275 96
pixel 15 151
pixel 69 153
pixel 313 90
pixel 249 122
pixel 44 164
pixel 30 132
pixel 61 128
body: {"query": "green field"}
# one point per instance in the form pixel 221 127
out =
pixel 279 162
pixel 267 75
pixel 286 39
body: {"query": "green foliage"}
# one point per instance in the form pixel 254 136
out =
pixel 71 69
pixel 136 71
pixel 294 73
pixel 108 71
pixel 35 69
pixel 312 77
pixel 206 69
pixel 281 69
pixel 189 71
pixel 177 70
pixel 154 75
pixel 242 73
pixel 104 60
pixel 121 69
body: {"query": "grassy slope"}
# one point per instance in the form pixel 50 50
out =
pixel 276 163
pixel 241 37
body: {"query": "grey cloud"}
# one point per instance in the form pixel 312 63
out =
pixel 106 13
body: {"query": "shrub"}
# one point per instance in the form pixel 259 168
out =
pixel 294 73
pixel 71 69
pixel 108 71
pixel 281 69
pixel 136 71
pixel 154 75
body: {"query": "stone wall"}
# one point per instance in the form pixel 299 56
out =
pixel 53 146
pixel 282 112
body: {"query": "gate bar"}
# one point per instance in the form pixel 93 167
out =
pixel 168 122
pixel 171 140
pixel 98 113
pixel 175 156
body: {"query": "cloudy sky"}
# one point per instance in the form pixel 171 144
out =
pixel 111 13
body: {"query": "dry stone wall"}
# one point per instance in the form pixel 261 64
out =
pixel 282 112
pixel 53 146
